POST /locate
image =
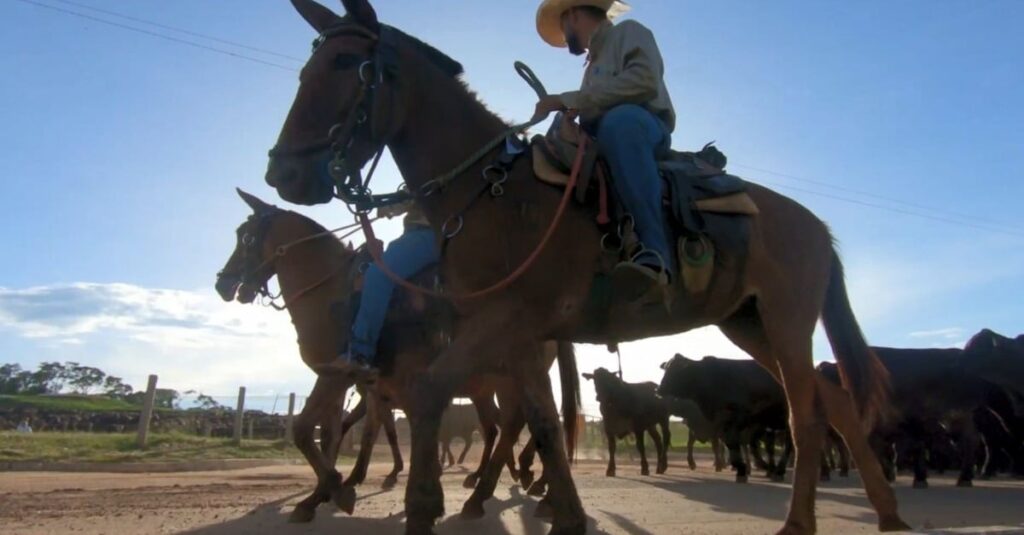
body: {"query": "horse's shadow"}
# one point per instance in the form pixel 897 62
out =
pixel 272 517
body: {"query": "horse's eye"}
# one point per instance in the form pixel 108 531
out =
pixel 346 61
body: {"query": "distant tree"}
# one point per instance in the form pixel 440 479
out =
pixel 207 403
pixel 48 378
pixel 11 377
pixel 115 387
pixel 166 398
pixel 84 379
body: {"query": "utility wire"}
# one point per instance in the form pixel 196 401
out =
pixel 162 36
pixel 180 30
pixel 948 216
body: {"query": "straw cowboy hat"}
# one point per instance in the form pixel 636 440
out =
pixel 549 16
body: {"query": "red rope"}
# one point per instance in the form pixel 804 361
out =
pixel 376 252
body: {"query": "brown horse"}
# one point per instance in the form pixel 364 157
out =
pixel 367 86
pixel 317 275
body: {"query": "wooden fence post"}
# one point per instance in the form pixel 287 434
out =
pixel 289 429
pixel 147 413
pixel 239 411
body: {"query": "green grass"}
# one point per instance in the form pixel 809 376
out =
pixel 120 447
pixel 66 403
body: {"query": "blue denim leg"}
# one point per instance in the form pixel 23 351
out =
pixel 406 256
pixel 631 139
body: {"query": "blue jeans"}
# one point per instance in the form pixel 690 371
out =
pixel 406 256
pixel 631 139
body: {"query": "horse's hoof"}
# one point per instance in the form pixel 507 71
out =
pixel 964 483
pixel 526 478
pixel 537 489
pixel 662 470
pixel 389 483
pixel 472 510
pixel 645 471
pixel 470 481
pixel 544 510
pixel 894 523
pixel 301 515
pixel 345 498
pixel 920 484
pixel 609 473
pixel 741 479
pixel 693 466
pixel 515 475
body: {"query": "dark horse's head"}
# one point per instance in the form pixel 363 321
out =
pixel 351 100
pixel 272 241
pixel 250 265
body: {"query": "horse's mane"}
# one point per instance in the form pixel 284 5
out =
pixel 441 61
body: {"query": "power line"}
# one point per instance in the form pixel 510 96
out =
pixel 961 218
pixel 897 210
pixel 919 206
pixel 181 30
pixel 162 36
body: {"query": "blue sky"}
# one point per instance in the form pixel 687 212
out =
pixel 121 152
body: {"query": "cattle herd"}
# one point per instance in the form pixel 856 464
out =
pixel 950 409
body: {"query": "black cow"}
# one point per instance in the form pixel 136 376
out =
pixel 631 408
pixel 934 399
pixel 700 429
pixel 739 397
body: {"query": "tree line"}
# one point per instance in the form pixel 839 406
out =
pixel 51 378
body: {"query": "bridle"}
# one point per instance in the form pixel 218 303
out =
pixel 367 121
pixel 354 191
pixel 257 272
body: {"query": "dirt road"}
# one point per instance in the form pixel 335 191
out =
pixel 258 501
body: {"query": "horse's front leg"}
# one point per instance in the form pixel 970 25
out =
pixel 319 408
pixel 488 332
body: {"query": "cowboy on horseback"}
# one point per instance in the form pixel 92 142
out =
pixel 624 104
pixel 407 255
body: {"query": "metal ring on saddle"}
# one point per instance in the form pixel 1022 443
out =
pixel 362 73
pixel 496 176
pixel 449 234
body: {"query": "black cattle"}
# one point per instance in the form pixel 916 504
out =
pixel 739 397
pixel 934 400
pixel 631 408
pixel 699 428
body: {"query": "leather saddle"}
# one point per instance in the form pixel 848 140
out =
pixel 706 187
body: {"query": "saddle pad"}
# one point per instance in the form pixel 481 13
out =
pixel 544 170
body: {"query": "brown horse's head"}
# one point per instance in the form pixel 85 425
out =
pixel 250 265
pixel 352 99
pixel 262 242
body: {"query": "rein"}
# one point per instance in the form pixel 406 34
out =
pixel 263 291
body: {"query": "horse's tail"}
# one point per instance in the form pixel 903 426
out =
pixel 570 380
pixel 862 374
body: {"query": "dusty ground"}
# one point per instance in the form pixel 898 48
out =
pixel 258 500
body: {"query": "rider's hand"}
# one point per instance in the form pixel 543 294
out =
pixel 546 105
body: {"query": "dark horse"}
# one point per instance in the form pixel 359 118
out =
pixel 367 86
pixel 318 275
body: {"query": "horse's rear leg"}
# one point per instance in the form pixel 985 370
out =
pixel 396 453
pixel 526 462
pixel 468 440
pixel 843 416
pixel 489 417
pixel 512 423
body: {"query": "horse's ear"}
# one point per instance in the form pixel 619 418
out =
pixel 253 201
pixel 318 16
pixel 362 12
pixel 588 376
